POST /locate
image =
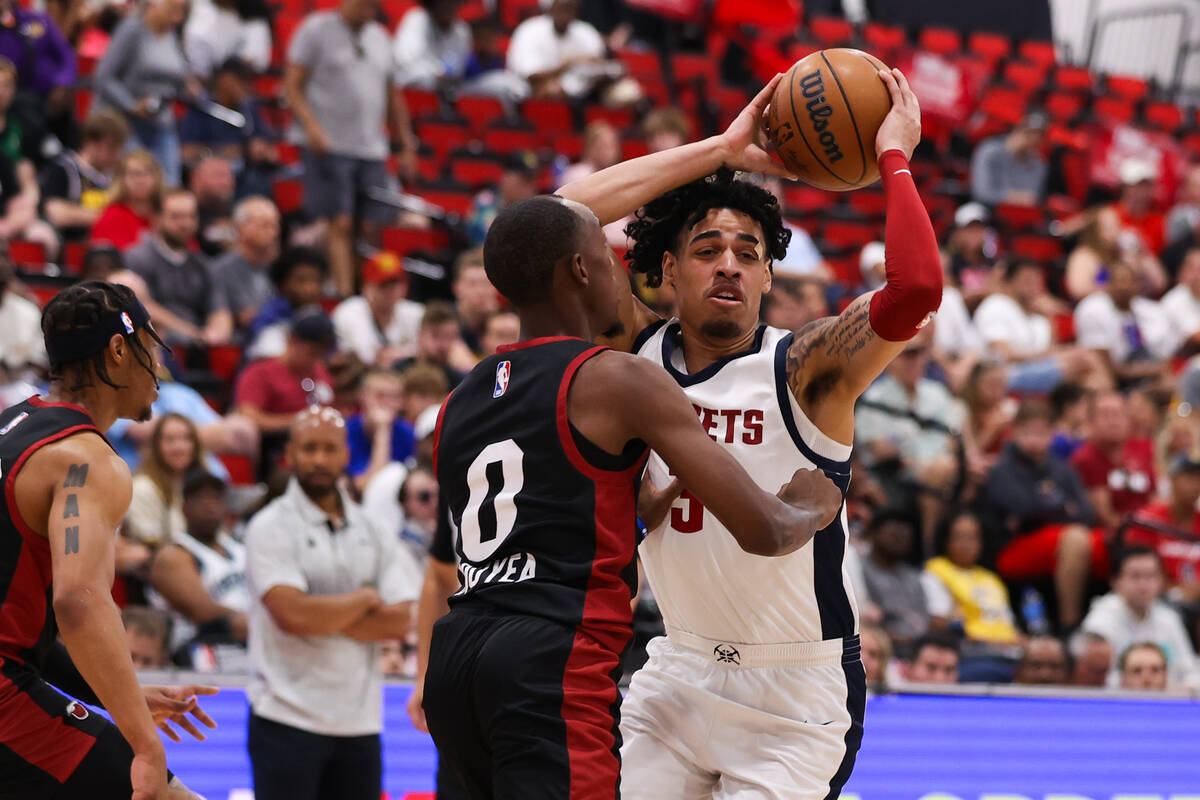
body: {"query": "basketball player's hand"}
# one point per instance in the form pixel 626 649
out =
pixel 811 489
pixel 148 774
pixel 654 503
pixel 745 140
pixel 416 712
pixel 173 703
pixel 901 128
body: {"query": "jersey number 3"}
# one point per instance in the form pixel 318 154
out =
pixel 479 545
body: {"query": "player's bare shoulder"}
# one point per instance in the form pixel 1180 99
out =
pixel 81 462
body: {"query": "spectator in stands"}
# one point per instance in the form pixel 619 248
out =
pixel 44 58
pixel 432 45
pixel 909 425
pixel 893 585
pixel 1133 613
pixel 392 660
pixel 934 660
pixel 242 275
pixel 21 342
pixel 339 83
pixel 74 184
pixel 1181 306
pixel 272 391
pixel 1136 206
pixel 136 201
pixel 201 574
pixel 147 631
pixel 1043 663
pixel 559 54
pixel 1102 244
pixel 795 301
pixel 960 593
pixel 142 72
pixel 517 182
pixel 220 30
pixel 1128 331
pixel 251 150
pixel 989 413
pixel 425 387
pixel 1185 214
pixel 1011 168
pixel 19 197
pixel 419 499
pixel 664 128
pixel 1014 331
pixel 155 515
pixel 379 434
pixel 1071 410
pixel 503 328
pixel 380 326
pixel 1093 657
pixel 177 279
pixel 1178 513
pixel 876 656
pixel 601 149
pixel 972 249
pixel 802 258
pixel 1117 470
pixel 20 135
pixel 487 54
pixel 475 299
pixel 1043 520
pixel 213 183
pixel 437 339
pixel 1143 667
pixel 298 275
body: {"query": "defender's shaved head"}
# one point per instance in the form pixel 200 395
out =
pixel 527 240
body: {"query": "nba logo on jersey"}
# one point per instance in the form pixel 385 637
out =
pixel 503 370
pixel 17 420
pixel 127 322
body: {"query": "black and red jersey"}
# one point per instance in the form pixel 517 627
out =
pixel 27 628
pixel 545 520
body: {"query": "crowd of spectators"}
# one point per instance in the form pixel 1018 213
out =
pixel 1027 471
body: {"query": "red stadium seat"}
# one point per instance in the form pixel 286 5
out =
pixel 1167 117
pixel 43 293
pixel 29 255
pixel 224 360
pixel 1017 218
pixel 689 67
pixel 422 103
pixel 72 257
pixel 569 145
pixel 831 31
pixel 509 140
pixel 403 241
pixel 842 235
pixel 991 46
pixel 1074 78
pixel 514 12
pixel 480 111
pixel 770 15
pixel 289 195
pixel 443 137
pixel 619 118
pixel 942 41
pixel 395 10
pixel 1004 104
pixel 641 64
pixel 1064 106
pixel 428 167
pixel 867 202
pixel 549 116
pixel 1132 89
pixel 1113 109
pixel 453 202
pixel 475 172
pixel 286 24
pixel 1064 328
pixel 883 39
pixel 1025 75
pixel 240 468
pixel 1039 52
pixel 473 10
pixel 288 153
pixel 803 199
pixel 1039 248
pixel 83 102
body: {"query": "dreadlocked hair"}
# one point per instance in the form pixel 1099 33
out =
pixel 80 307
pixel 656 228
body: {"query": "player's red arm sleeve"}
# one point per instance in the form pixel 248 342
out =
pixel 912 261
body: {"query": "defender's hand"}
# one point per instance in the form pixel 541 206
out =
pixel 810 489
pixel 654 503
pixel 901 128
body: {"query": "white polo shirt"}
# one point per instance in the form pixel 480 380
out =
pixel 330 685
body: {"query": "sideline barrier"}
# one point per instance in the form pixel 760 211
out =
pixel 916 747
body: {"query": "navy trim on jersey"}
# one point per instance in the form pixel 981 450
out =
pixel 783 392
pixel 640 340
pixel 856 703
pixel 669 346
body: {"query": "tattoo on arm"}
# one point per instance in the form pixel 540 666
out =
pixel 76 478
pixel 72 540
pixel 833 342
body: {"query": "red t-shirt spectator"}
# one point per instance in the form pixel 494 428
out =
pixel 270 386
pixel 1150 226
pixel 120 226
pixel 1130 480
pixel 1180 559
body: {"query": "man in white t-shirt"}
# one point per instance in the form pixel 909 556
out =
pixel 1012 330
pixel 558 53
pixel 380 326
pixel 1181 305
pixel 1129 330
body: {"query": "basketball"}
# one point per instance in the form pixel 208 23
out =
pixel 824 117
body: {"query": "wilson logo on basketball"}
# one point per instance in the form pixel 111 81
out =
pixel 812 86
pixel 77 710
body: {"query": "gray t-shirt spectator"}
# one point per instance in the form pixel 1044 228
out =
pixel 899 594
pixel 995 172
pixel 139 63
pixel 240 284
pixel 349 77
pixel 181 283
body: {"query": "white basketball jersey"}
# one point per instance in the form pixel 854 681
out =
pixel 224 578
pixel 704 582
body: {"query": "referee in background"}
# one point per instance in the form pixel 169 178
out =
pixel 327 585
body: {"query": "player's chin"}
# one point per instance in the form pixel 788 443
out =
pixel 722 327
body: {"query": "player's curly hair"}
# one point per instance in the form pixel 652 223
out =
pixel 657 226
pixel 79 307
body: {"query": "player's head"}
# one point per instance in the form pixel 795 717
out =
pixel 551 251
pixel 714 240
pixel 99 339
pixel 317 450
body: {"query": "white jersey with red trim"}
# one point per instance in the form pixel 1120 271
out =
pixel 705 584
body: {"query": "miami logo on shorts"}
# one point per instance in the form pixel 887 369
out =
pixel 503 371
pixel 77 710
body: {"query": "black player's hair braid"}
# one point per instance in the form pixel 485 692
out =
pixel 657 225
pixel 79 307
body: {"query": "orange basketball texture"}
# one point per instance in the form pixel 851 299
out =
pixel 824 117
